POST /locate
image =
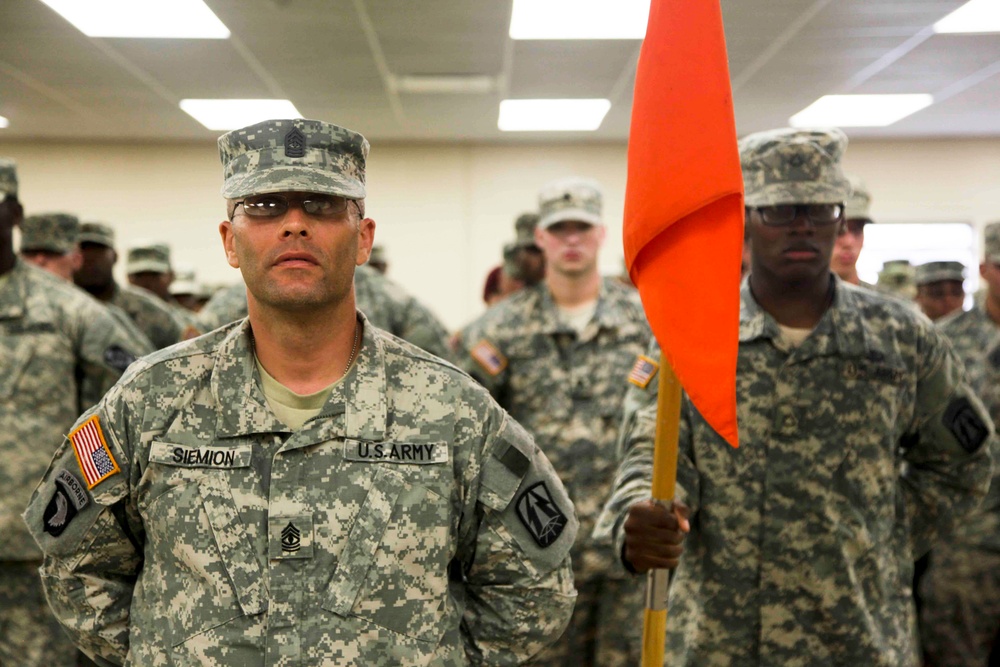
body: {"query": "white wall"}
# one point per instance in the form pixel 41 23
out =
pixel 444 211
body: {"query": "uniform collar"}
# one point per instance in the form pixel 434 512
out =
pixel 607 315
pixel 14 295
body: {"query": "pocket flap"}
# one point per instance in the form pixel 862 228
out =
pixel 234 547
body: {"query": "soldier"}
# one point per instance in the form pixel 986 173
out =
pixel 897 278
pixel 860 443
pixel 848 247
pixel 300 486
pixel 59 352
pixel 378 260
pixel 960 591
pixel 384 303
pixel 939 288
pixel 554 356
pixel 187 292
pixel 50 242
pixel 154 318
pixel 524 261
pixel 147 265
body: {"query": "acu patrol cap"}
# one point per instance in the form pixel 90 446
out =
pixel 991 244
pixel 151 257
pixel 791 166
pixel 933 272
pixel 857 205
pixel 8 178
pixel 576 199
pixel 524 230
pixel 53 232
pixel 293 155
pixel 97 232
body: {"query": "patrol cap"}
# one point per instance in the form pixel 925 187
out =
pixel 857 205
pixel 897 269
pixel 991 242
pixel 791 166
pixel 524 230
pixel 570 199
pixel 510 266
pixel 933 272
pixel 97 232
pixel 151 257
pixel 8 177
pixel 184 281
pixel 293 155
pixel 54 232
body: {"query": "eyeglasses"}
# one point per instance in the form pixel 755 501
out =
pixel 275 205
pixel 785 214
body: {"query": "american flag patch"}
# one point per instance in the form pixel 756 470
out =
pixel 488 357
pixel 92 452
pixel 643 370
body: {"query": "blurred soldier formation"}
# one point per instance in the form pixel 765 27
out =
pixel 294 471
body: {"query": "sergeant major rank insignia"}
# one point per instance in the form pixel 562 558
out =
pixel 487 356
pixel 540 515
pixel 643 371
pixel 291 538
pixel 295 143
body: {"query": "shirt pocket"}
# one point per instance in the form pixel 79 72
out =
pixel 200 561
pixel 392 571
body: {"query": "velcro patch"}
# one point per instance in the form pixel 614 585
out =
pixel 643 371
pixel 118 358
pixel 290 537
pixel 193 456
pixel 540 515
pixel 487 356
pixel 92 452
pixel 396 452
pixel 965 424
pixel 69 498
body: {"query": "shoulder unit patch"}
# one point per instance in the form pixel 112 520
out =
pixel 540 515
pixel 97 463
pixel 487 356
pixel 643 371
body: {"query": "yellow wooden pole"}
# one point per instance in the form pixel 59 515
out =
pixel 668 416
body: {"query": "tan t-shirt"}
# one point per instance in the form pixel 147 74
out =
pixel 291 408
pixel 794 336
pixel 578 317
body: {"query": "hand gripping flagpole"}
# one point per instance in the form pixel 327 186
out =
pixel 668 414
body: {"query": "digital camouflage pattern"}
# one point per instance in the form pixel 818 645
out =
pixel 153 317
pixel 8 177
pixel 60 351
pixel 960 591
pixel 570 199
pixel 293 156
pixel 858 450
pixel 932 272
pixel 384 303
pixel 897 278
pixel 794 167
pixel 386 531
pixel 859 202
pixel 567 391
pixel 154 258
pixel 524 229
pixel 54 232
pixel 97 232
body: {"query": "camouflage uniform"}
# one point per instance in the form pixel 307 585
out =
pixel 384 303
pixel 53 232
pixel 566 389
pixel 960 592
pixel 224 538
pixel 858 447
pixel 155 258
pixel 59 352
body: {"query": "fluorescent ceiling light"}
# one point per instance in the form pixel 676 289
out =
pixel 552 115
pixel 444 84
pixel 973 16
pixel 579 19
pixel 177 19
pixel 4 122
pixel 233 114
pixel 860 110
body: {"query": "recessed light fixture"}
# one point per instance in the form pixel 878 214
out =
pixel 973 16
pixel 4 122
pixel 233 114
pixel 579 19
pixel 860 110
pixel 454 84
pixel 168 19
pixel 552 115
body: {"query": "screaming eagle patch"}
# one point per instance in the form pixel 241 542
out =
pixel 67 501
pixel 540 515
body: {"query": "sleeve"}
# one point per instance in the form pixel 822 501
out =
pixel 634 479
pixel 947 449
pixel 90 536
pixel 643 390
pixel 515 554
pixel 105 350
pixel 482 357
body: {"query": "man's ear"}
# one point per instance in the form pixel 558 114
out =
pixel 366 238
pixel 229 243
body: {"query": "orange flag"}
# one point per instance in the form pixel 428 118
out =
pixel 684 202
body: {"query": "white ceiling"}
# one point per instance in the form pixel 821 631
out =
pixel 337 59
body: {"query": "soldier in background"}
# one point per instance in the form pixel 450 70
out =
pixel 51 242
pixel 847 249
pixel 940 290
pixel 300 486
pixel 861 444
pixel 524 261
pixel 378 260
pixel 554 356
pixel 153 317
pixel 898 278
pixel 59 352
pixel 187 292
pixel 960 591
pixel 148 266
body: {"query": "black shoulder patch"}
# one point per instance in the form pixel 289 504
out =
pixel 68 499
pixel 515 461
pixel 295 143
pixel 118 358
pixel 965 424
pixel 540 515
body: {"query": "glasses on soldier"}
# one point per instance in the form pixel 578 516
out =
pixel 275 205
pixel 785 214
